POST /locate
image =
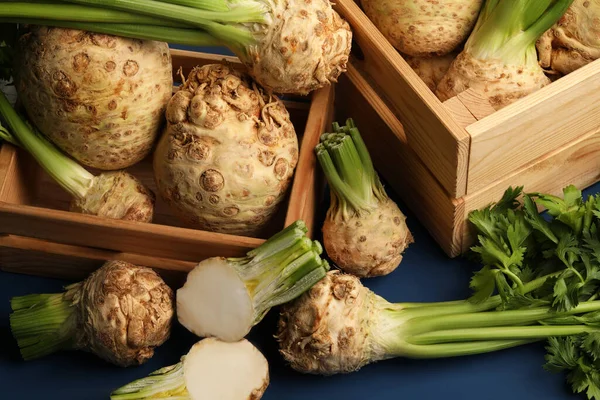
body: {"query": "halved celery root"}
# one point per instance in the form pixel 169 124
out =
pixel 212 369
pixel 364 233
pixel 226 297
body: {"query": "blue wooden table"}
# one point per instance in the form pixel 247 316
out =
pixel 426 274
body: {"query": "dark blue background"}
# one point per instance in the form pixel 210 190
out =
pixel 426 274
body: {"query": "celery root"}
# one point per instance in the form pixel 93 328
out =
pixel 115 194
pixel 121 312
pixel 364 232
pixel 289 46
pixel 574 41
pixel 212 369
pixel 423 27
pixel 99 98
pixel 499 59
pixel 227 156
pixel 339 326
pixel 431 69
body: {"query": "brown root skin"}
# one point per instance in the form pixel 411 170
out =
pixel 306 46
pixel 501 84
pixel 227 157
pixel 125 311
pixel 574 41
pixel 117 195
pixel 423 27
pixel 368 245
pixel 431 69
pixel 100 98
pixel 324 330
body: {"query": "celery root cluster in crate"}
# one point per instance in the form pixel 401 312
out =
pixel 474 96
pixel 211 167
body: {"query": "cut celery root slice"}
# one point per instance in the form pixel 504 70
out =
pixel 219 370
pixel 214 302
pixel 211 370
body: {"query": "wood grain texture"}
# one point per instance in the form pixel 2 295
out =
pixel 536 125
pixel 38 257
pixel 394 159
pixel 434 136
pixel 460 113
pixel 307 189
pixel 33 205
pixel 577 163
pixel 476 103
pixel 14 172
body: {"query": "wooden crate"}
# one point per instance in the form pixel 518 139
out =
pixel 445 215
pixel 33 206
pixel 470 152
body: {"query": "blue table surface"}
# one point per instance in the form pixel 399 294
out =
pixel 425 274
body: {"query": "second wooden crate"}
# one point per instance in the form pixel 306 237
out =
pixel 469 152
pixel 443 215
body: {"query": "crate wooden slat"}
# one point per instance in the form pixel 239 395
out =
pixel 577 163
pixel 32 205
pixel 542 122
pixel 308 186
pixel 54 260
pixel 444 216
pixel 492 145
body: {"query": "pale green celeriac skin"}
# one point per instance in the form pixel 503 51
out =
pixel 226 159
pixel 99 98
pixel 304 46
pixel 423 27
pixel 574 41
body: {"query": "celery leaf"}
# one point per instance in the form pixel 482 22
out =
pixel 483 284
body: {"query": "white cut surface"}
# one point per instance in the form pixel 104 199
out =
pixel 218 370
pixel 214 301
